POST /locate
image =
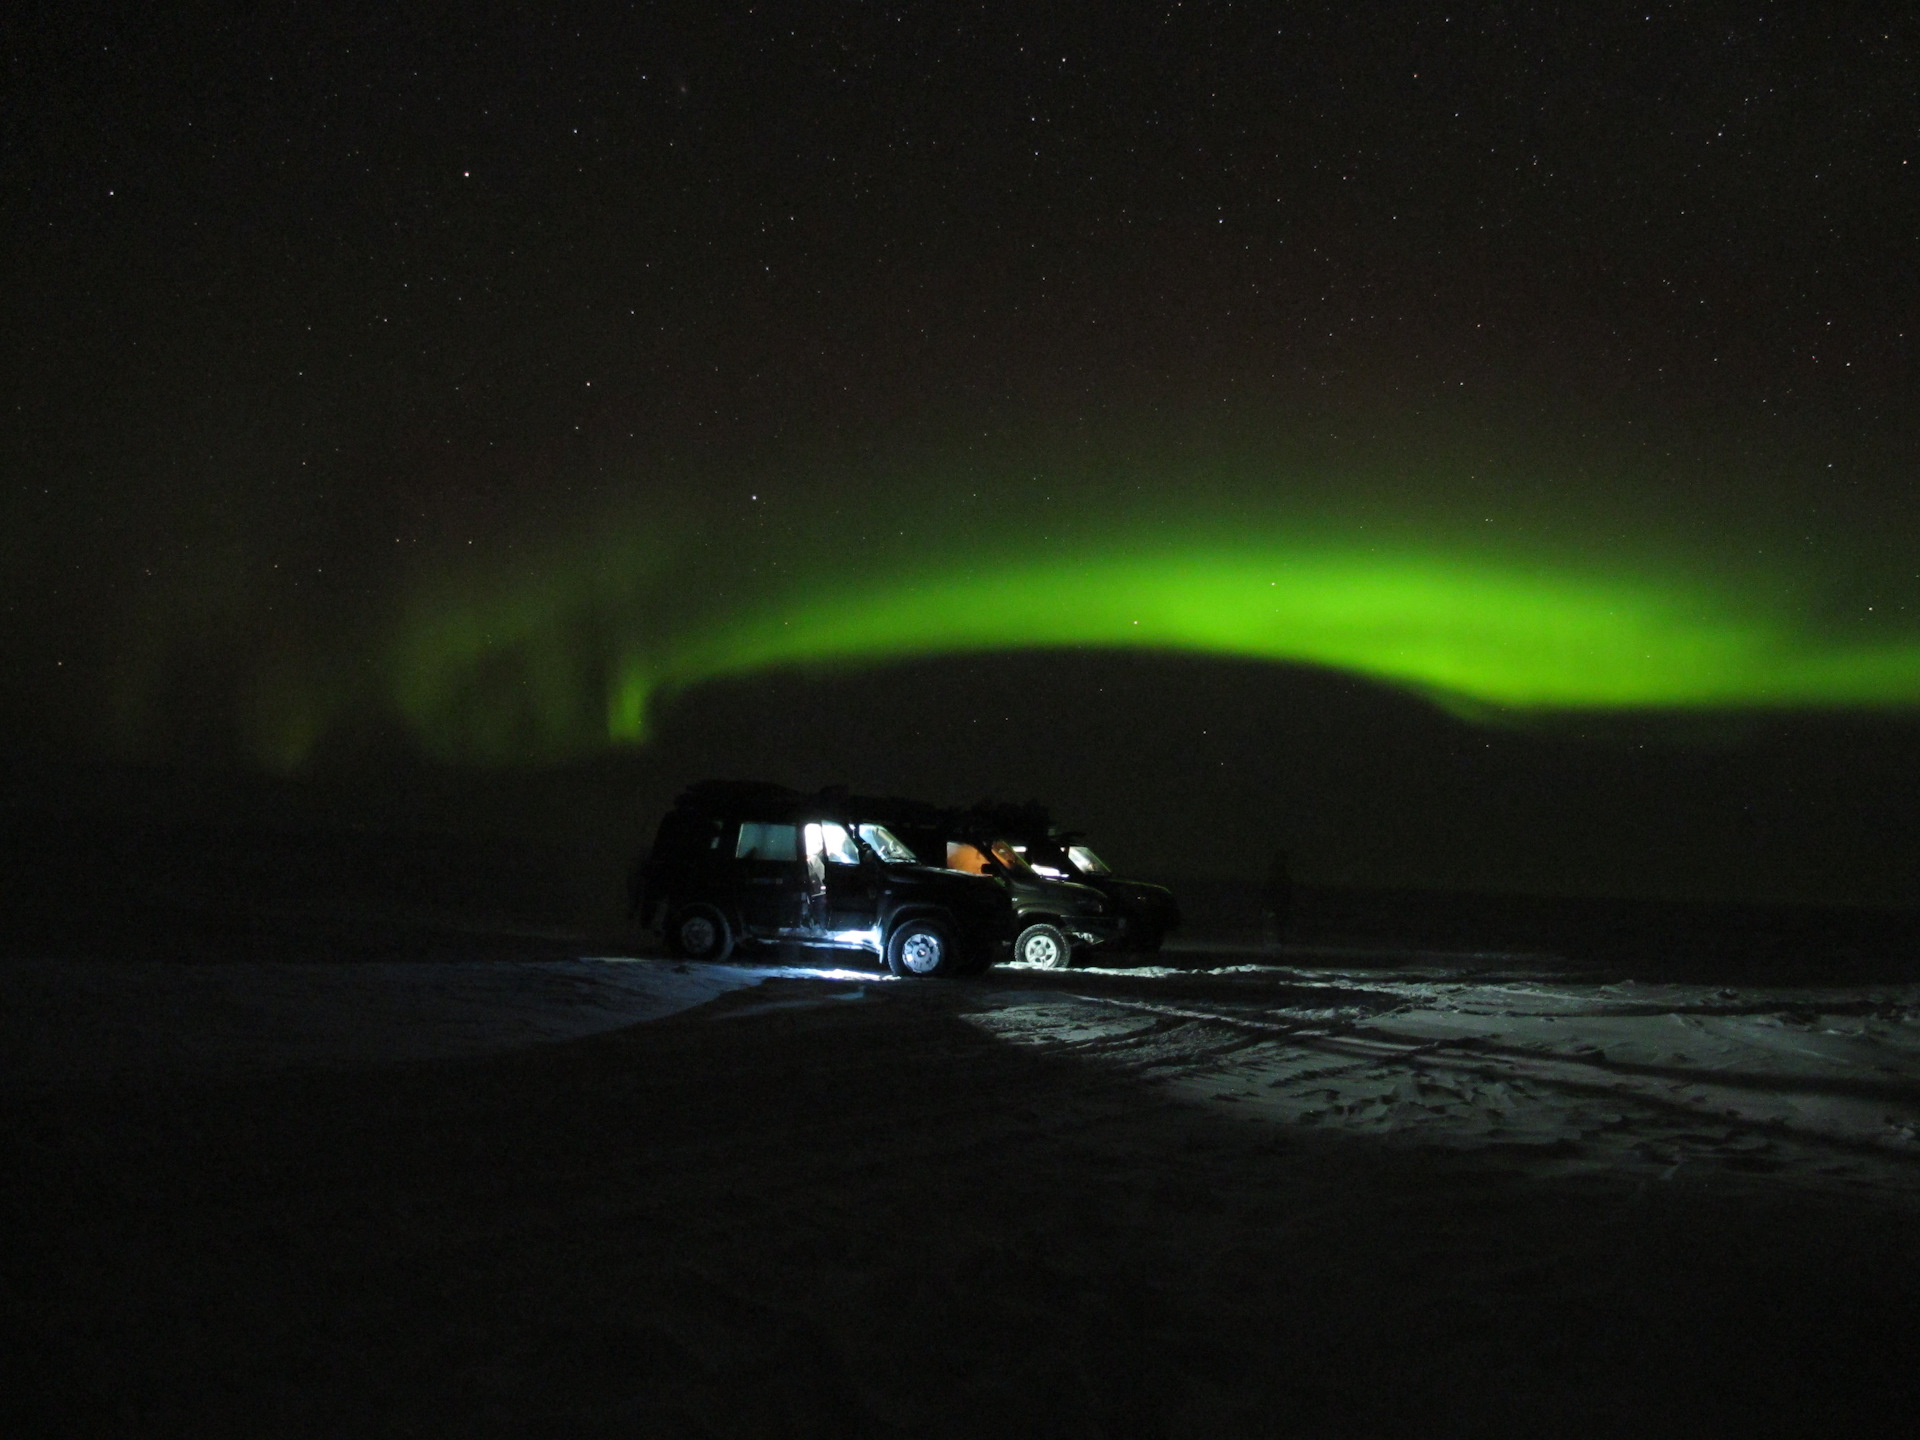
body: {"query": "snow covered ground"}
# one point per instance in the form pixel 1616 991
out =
pixel 90 1021
pixel 1811 1085
pixel 1815 1085
pixel 1423 1195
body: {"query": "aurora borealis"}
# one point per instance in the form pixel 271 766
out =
pixel 489 394
pixel 1473 633
pixel 1476 633
pixel 576 646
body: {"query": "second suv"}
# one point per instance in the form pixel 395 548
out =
pixel 1056 920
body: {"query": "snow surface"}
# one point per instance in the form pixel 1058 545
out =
pixel 1464 1195
pixel 80 1021
pixel 1817 1085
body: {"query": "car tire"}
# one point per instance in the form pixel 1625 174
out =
pixel 699 932
pixel 919 948
pixel 1043 946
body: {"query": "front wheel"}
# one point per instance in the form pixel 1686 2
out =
pixel 922 947
pixel 699 932
pixel 1043 946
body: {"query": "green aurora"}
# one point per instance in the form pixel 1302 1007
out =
pixel 1477 633
pixel 574 654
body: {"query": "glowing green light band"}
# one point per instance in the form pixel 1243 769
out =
pixel 1505 637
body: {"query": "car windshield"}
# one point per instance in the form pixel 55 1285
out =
pixel 886 845
pixel 1007 855
pixel 1086 862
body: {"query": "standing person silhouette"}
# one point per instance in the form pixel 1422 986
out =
pixel 1277 900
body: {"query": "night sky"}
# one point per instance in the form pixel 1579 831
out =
pixel 1460 447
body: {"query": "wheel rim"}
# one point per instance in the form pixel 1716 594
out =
pixel 697 934
pixel 922 951
pixel 1042 950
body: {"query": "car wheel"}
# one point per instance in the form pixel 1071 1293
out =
pixel 922 947
pixel 1044 946
pixel 699 932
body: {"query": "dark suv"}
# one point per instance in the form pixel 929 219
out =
pixel 1056 919
pixel 738 862
pixel 1145 912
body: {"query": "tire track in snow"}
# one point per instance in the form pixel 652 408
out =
pixel 1608 1090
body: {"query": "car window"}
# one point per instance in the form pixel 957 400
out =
pixel 887 845
pixel 839 844
pixel 1086 861
pixel 767 842
pixel 970 858
pixel 1009 857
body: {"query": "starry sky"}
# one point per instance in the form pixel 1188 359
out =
pixel 1456 445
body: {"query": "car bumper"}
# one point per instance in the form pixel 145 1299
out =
pixel 1093 929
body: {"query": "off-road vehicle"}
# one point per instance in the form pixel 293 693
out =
pixel 1147 912
pixel 738 863
pixel 1056 920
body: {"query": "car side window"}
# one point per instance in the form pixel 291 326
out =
pixel 767 842
pixel 963 856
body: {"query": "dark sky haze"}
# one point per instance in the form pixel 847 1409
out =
pixel 824 393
